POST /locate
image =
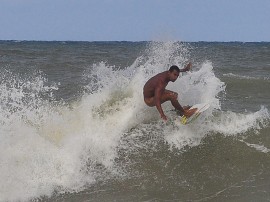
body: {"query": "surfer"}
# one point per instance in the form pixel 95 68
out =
pixel 155 94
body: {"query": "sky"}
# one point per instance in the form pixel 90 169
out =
pixel 135 20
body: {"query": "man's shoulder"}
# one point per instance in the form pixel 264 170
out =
pixel 161 75
pixel 158 79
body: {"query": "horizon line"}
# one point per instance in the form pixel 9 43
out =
pixel 134 41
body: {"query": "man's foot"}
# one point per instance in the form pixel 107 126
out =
pixel 190 112
pixel 186 107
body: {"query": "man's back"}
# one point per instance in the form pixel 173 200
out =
pixel 152 83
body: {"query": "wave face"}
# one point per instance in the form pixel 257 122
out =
pixel 74 126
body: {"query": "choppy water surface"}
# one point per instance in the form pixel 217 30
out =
pixel 74 127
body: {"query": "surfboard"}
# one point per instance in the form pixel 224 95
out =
pixel 200 108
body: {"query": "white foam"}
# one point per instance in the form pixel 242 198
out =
pixel 231 123
pixel 231 75
pixel 258 147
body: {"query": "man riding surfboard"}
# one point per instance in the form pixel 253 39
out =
pixel 155 93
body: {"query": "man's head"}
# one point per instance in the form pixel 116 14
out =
pixel 174 73
pixel 174 67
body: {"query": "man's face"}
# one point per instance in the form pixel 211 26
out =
pixel 173 75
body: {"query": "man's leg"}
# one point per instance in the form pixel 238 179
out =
pixel 172 96
pixel 166 96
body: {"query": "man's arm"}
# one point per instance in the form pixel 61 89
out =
pixel 187 68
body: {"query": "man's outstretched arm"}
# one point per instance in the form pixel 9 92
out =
pixel 187 68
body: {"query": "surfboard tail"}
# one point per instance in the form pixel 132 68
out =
pixel 184 119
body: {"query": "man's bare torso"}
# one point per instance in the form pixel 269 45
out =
pixel 152 83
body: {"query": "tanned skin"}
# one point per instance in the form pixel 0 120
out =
pixel 155 93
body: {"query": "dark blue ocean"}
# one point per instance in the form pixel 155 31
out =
pixel 74 126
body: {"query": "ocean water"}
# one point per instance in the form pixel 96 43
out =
pixel 74 127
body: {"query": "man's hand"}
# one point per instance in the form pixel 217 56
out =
pixel 187 68
pixel 164 117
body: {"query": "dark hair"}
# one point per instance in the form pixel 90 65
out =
pixel 174 67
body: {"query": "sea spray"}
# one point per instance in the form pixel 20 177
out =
pixel 231 123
